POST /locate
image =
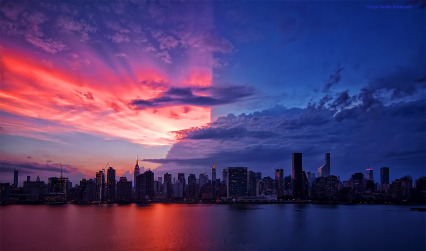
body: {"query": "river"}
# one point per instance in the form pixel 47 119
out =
pixel 211 227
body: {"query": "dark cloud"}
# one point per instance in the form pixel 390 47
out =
pixel 343 100
pixel 224 134
pixel 333 79
pixel 9 166
pixel 358 130
pixel 186 96
pixel 401 82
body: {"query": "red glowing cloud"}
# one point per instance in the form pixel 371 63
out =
pixel 94 99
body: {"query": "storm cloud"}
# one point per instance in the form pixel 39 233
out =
pixel 189 96
pixel 358 130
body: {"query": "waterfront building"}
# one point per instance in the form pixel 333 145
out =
pixel 237 182
pixel 192 193
pixel 136 172
pixel 145 186
pixel 384 175
pixel 324 170
pixel 420 190
pixel 326 188
pixel 300 182
pixel 311 178
pixel 4 193
pixel 252 182
pixel 100 186
pixel 203 179
pixel 168 189
pixel 124 190
pixel 369 174
pixel 225 175
pixel 110 184
pixel 15 178
pixel 33 191
pixel 57 189
pixel 279 182
pixel 214 175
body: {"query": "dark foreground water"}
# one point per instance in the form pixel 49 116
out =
pixel 211 227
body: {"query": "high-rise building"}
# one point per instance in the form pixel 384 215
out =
pixel 369 174
pixel 168 189
pixel 110 184
pixel 203 179
pixel 324 170
pixel 149 182
pixel 237 182
pixel 213 174
pixel 145 186
pixel 311 178
pixel 300 181
pixel 356 182
pixel 225 175
pixel 192 187
pixel 124 190
pixel 57 188
pixel 279 181
pixel 258 175
pixel 15 178
pixel 384 175
pixel 136 172
pixel 181 178
pixel 100 186
pixel 252 183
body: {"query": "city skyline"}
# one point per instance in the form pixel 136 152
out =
pixel 383 176
pixel 184 85
pixel 238 184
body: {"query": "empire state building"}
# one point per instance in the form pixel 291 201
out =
pixel 136 172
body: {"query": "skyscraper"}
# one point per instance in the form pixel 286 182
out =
pixel 149 185
pixel 124 190
pixel 100 186
pixel 369 174
pixel 237 182
pixel 15 178
pixel 181 180
pixel 324 170
pixel 192 187
pixel 168 189
pixel 279 181
pixel 225 175
pixel 145 186
pixel 110 184
pixel 136 172
pixel 203 179
pixel 384 175
pixel 213 174
pixel 300 181
pixel 252 183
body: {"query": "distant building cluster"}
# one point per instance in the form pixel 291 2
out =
pixel 238 184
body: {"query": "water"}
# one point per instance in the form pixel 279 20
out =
pixel 211 227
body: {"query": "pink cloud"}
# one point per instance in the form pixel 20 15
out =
pixel 97 104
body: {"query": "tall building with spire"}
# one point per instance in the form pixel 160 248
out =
pixel 214 174
pixel 136 172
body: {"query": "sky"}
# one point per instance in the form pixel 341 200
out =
pixel 183 84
